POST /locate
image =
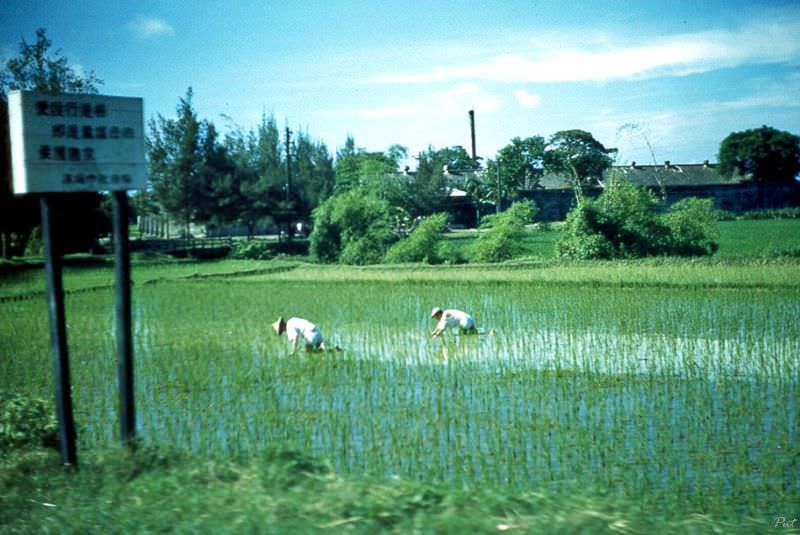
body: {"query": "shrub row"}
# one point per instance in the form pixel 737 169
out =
pixel 624 222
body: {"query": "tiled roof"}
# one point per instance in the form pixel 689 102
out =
pixel 694 174
pixel 669 174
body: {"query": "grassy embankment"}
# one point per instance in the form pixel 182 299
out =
pixel 160 491
pixel 751 253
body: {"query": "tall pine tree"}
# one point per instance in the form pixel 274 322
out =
pixel 176 162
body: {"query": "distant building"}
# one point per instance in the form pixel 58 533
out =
pixel 677 181
pixel 555 197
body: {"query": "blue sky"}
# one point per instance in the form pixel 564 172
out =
pixel 685 73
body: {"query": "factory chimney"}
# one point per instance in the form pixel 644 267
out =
pixel 472 133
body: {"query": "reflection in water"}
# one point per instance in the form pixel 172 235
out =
pixel 542 399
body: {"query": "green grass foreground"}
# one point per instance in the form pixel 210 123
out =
pixel 165 491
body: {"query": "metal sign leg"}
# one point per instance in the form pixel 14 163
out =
pixel 122 266
pixel 58 335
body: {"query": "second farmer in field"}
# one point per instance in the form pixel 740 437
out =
pixel 296 328
pixel 453 318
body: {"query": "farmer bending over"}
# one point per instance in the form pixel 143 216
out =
pixel 453 318
pixel 299 328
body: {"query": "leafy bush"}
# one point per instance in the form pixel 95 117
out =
pixel 623 222
pixel 503 233
pixel 450 253
pixel 423 244
pixel 692 227
pixel 362 251
pixel 251 250
pixel 325 240
pixel 26 422
pixel 351 228
pixel 580 240
pixel 629 220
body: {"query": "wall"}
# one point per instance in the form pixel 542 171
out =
pixel 746 196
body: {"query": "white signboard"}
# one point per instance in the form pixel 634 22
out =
pixel 76 142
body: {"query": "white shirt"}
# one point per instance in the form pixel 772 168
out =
pixel 455 318
pixel 298 327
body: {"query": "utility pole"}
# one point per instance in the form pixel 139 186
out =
pixel 497 204
pixel 288 164
pixel 289 184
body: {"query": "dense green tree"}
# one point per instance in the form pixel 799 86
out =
pixel 483 193
pixel 379 174
pixel 520 163
pixel 517 166
pixel 430 186
pixel 579 156
pixel 347 167
pixel 764 154
pixel 262 167
pixel 175 153
pixel 375 171
pixel 36 68
pixel 416 194
pixel 144 202
pixel 230 190
pixel 266 149
pixel 218 193
pixel 247 176
pixel 312 174
pixel 80 215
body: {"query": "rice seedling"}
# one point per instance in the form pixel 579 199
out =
pixel 680 396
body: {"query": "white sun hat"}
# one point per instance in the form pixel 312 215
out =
pixel 277 325
pixel 435 311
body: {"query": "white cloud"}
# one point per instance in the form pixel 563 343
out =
pixel 448 103
pixel 464 97
pixel 676 55
pixel 147 27
pixel 374 113
pixel 527 100
pixel 787 96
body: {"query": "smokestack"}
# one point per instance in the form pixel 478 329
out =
pixel 472 133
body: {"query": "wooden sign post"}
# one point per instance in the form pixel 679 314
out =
pixel 63 143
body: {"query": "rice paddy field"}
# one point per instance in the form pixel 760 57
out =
pixel 675 385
